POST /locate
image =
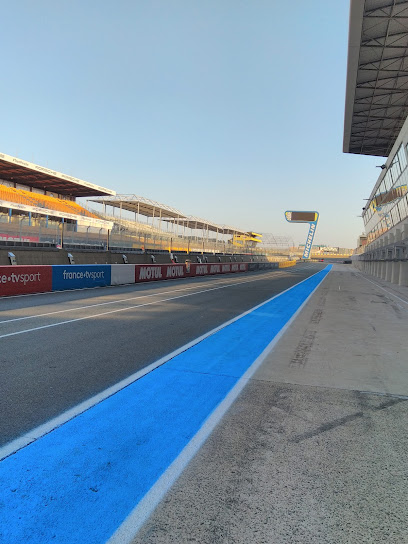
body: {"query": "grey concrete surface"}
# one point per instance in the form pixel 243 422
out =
pixel 53 367
pixel 315 448
pixel 352 335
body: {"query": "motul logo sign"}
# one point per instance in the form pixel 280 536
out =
pixel 159 272
pixel 150 273
pixel 175 271
pixel 201 269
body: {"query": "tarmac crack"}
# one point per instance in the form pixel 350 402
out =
pixel 327 427
pixel 346 419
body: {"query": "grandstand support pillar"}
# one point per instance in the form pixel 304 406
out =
pixel 388 270
pixel 395 270
pixel 378 269
pixel 29 219
pixel 382 270
pixel 62 232
pixel 9 215
pixel 107 239
pixel 403 274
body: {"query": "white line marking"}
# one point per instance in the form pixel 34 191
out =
pixel 132 524
pixel 45 428
pixel 386 290
pixel 127 308
pixel 118 301
pixel 41 327
pixel 125 284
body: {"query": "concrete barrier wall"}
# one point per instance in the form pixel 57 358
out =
pixel 46 256
pixel 20 280
pixel 121 274
pixel 17 280
pixel 80 276
pixel 286 264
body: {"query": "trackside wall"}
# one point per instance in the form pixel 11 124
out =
pixel 286 264
pixel 19 280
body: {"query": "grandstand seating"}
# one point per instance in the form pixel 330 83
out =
pixel 19 196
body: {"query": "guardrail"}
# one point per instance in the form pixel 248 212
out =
pixel 20 280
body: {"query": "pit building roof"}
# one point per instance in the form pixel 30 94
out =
pixel 377 76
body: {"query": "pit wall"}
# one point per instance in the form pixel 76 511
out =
pixel 20 280
pixel 53 256
pixel 286 264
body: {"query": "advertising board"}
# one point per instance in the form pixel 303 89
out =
pixel 152 272
pixel 80 276
pixel 19 280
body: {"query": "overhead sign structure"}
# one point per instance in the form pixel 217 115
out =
pixel 305 217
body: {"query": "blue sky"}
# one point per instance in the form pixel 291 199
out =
pixel 230 110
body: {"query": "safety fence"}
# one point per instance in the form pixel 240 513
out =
pixel 19 280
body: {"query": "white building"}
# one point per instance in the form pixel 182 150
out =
pixel 376 123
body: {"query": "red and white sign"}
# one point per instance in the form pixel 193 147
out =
pixel 219 268
pixel 19 280
pixel 152 272
pixel 11 238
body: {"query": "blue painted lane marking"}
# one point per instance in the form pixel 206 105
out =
pixel 78 483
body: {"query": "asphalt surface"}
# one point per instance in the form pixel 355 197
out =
pixel 292 464
pixel 314 450
pixel 59 349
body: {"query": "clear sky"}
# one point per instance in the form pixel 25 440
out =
pixel 230 110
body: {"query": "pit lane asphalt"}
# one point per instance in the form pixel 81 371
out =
pixel 59 349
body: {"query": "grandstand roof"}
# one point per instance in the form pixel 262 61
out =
pixel 151 208
pixel 139 204
pixel 27 173
pixel 377 76
pixel 192 222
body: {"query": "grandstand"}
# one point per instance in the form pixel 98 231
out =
pixel 38 205
pixel 141 222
